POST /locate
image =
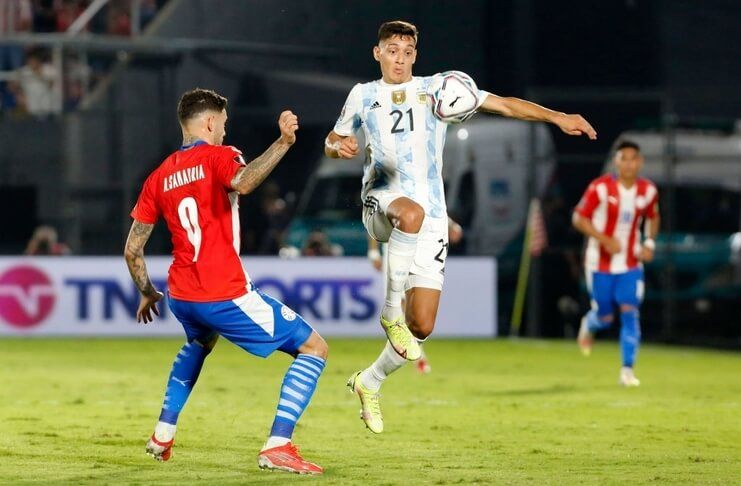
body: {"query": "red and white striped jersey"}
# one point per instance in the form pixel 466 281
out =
pixel 617 212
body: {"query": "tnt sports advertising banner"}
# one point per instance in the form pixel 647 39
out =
pixel 94 296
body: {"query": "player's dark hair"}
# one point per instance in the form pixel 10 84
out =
pixel 196 101
pixel 397 27
pixel 624 144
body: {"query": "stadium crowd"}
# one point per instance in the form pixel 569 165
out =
pixel 28 85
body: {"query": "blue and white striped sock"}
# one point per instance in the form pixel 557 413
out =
pixel 295 393
pixel 185 370
pixel 630 336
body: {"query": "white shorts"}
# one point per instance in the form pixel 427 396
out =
pixel 428 268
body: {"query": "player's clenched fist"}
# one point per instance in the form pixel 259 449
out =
pixel 348 147
pixel 288 123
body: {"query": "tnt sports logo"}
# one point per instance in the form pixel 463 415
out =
pixel 26 296
pixel 287 313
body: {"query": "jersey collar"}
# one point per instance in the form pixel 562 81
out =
pixel 194 144
pixel 400 85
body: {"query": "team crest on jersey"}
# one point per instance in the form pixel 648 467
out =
pixel 287 313
pixel 399 96
pixel 421 97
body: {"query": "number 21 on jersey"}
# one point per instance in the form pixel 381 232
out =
pixel 398 116
pixel 188 212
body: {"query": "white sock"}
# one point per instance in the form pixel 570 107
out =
pixel 275 441
pixel 164 432
pixel 401 250
pixel 386 363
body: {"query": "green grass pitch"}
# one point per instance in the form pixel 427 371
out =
pixel 491 412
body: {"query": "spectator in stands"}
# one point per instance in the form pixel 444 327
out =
pixel 16 16
pixel 45 241
pixel 119 18
pixel 148 12
pixel 35 85
pixel 44 16
pixel 77 77
pixel 68 12
pixel 265 221
pixel 318 244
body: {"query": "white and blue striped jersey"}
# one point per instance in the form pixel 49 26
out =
pixel 404 140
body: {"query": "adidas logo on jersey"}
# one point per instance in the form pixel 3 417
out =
pixel 375 105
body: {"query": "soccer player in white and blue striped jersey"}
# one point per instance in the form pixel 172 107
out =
pixel 403 197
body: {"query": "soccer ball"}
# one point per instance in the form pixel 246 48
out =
pixel 455 97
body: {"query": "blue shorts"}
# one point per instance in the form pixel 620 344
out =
pixel 255 322
pixel 609 289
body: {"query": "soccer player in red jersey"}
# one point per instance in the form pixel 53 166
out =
pixel 196 191
pixel 610 214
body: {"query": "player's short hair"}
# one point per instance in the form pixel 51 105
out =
pixel 397 27
pixel 625 144
pixel 196 101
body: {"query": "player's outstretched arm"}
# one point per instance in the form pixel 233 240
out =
pixel 526 110
pixel 251 176
pixel 134 254
pixel 339 147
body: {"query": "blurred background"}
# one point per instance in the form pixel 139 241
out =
pixel 88 90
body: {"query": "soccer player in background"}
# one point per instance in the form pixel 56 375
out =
pixel 196 190
pixel 402 192
pixel 378 256
pixel 610 214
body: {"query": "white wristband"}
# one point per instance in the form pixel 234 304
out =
pixel 649 243
pixel 332 146
pixel 374 255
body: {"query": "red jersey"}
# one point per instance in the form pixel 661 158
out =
pixel 617 212
pixel 192 191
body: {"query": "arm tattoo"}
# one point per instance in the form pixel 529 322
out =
pixel 134 254
pixel 248 178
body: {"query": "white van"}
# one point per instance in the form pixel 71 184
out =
pixel 486 177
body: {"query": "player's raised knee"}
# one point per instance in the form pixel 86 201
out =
pixel 410 220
